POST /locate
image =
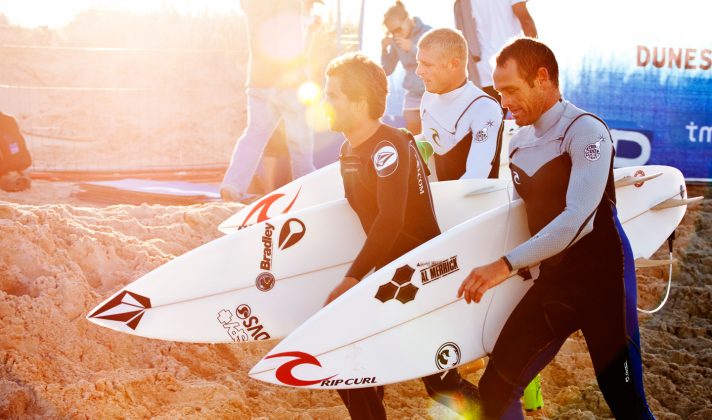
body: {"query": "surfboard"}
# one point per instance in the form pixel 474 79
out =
pixel 405 321
pixel 262 281
pixel 319 187
pixel 322 186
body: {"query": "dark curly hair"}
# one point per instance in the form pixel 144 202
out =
pixel 361 78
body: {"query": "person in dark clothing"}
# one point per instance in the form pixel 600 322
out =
pixel 562 167
pixel 385 182
pixel 14 156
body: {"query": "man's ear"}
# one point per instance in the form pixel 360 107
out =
pixel 361 105
pixel 455 63
pixel 542 76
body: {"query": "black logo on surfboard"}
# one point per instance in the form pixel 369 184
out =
pixel 400 286
pixel 448 356
pixel 435 270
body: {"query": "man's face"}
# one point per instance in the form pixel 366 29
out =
pixel 435 70
pixel 337 106
pixel 525 102
pixel 399 28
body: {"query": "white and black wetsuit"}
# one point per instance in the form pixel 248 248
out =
pixel 562 167
pixel 464 127
pixel 386 184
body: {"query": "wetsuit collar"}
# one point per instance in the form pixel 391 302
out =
pixel 549 118
pixel 447 108
pixel 369 140
pixel 453 94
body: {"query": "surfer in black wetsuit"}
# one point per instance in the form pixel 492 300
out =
pixel 562 167
pixel 386 184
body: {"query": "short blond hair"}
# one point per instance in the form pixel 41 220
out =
pixel 449 41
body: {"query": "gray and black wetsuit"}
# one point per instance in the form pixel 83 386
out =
pixel 386 184
pixel 562 167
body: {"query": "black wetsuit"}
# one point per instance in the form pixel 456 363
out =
pixel 386 184
pixel 562 167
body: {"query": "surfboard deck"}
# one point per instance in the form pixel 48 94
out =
pixel 405 321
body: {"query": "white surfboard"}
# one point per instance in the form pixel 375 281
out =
pixel 263 281
pixel 405 321
pixel 321 186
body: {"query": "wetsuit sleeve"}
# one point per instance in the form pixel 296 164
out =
pixel 589 145
pixel 392 198
pixel 389 59
pixel 486 121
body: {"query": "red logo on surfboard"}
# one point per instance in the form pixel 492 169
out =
pixel 126 307
pixel 263 206
pixel 284 372
pixel 639 174
pixel 292 232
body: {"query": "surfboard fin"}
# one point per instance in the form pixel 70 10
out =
pixel 674 202
pixel 646 263
pixel 631 180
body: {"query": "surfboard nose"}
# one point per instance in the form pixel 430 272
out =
pixel 263 372
pixel 291 368
pixel 123 309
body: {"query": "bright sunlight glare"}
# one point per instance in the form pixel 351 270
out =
pixel 36 13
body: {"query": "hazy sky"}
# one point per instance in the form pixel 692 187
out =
pixel 58 12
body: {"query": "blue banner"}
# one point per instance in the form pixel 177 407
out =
pixel 645 68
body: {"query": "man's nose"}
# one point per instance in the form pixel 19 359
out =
pixel 505 100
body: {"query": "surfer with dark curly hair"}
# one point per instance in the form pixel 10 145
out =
pixel 385 182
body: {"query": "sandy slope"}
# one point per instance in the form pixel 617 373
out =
pixel 60 260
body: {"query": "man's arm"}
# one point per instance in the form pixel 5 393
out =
pixel 392 200
pixel 591 149
pixel 525 19
pixel 389 55
pixel 485 124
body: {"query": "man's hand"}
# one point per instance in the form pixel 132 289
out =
pixel 385 42
pixel 482 279
pixel 346 284
pixel 403 43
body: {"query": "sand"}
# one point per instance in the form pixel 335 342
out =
pixel 60 260
pixel 60 257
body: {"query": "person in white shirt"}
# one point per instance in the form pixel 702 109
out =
pixel 491 25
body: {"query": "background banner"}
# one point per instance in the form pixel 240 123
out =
pixel 644 67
